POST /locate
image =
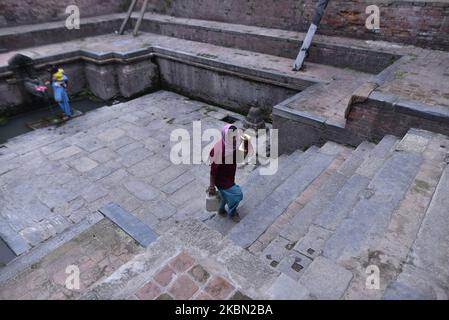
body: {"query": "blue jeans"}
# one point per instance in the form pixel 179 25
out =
pixel 62 99
pixel 232 198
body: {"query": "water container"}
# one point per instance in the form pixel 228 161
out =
pixel 213 201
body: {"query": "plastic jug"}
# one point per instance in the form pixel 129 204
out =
pixel 213 201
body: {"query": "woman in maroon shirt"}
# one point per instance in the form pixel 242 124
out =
pixel 223 168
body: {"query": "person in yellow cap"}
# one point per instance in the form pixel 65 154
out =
pixel 59 84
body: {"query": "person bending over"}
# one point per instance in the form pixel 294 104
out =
pixel 223 159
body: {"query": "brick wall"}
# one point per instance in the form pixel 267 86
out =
pixel 367 121
pixel 416 22
pixel 372 121
pixel 16 12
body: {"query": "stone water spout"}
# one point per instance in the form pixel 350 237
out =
pixel 25 76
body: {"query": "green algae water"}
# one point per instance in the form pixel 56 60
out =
pixel 17 125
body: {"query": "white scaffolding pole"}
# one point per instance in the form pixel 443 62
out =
pixel 299 62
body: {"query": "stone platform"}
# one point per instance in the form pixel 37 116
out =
pixel 55 179
pixel 352 90
pixel 314 227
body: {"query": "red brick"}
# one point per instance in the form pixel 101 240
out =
pixel 203 296
pixel 164 296
pixel 183 288
pixel 182 262
pixel 219 288
pixel 165 276
pixel 199 274
pixel 148 292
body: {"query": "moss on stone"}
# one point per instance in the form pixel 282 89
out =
pixel 3 121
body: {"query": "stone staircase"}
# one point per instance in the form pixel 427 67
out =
pixel 376 209
pixel 312 229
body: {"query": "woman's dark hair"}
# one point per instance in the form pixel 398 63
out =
pixel 53 69
pixel 233 130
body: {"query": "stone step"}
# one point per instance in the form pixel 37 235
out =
pixel 343 202
pixel 431 248
pixel 378 156
pixel 191 261
pixel 6 254
pixel 13 239
pixel 424 276
pixel 371 215
pixel 349 194
pixel 310 241
pixel 342 154
pixel 356 159
pixel 429 256
pixel 299 225
pixel 294 256
pixel 393 248
pixel 258 187
pixel 250 228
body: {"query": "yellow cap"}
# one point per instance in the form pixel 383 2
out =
pixel 59 76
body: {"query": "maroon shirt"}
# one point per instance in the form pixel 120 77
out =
pixel 224 173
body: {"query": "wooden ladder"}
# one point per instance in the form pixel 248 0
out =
pixel 128 17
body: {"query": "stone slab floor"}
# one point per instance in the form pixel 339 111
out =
pixel 51 179
pixel 97 252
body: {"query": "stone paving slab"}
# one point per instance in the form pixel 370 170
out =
pixel 250 228
pixel 15 241
pixel 325 279
pixel 189 261
pixel 430 251
pixel 130 224
pixel 285 288
pixel 416 85
pixel 55 178
pixel 98 251
pixel 370 217
pixel 6 254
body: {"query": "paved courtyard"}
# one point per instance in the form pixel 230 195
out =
pixel 51 179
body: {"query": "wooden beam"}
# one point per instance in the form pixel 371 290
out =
pixel 128 16
pixel 142 13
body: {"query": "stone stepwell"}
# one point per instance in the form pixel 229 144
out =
pixel 312 231
pixel 351 91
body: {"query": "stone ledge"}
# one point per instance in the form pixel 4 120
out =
pixel 34 255
pixel 199 241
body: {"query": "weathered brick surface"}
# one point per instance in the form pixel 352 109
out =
pixel 199 274
pixel 13 12
pixel 372 121
pixel 98 252
pixel 165 276
pixel 149 292
pixel 420 23
pixel 219 288
pixel 183 288
pixel 182 262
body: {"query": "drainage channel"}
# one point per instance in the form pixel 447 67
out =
pixel 6 254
